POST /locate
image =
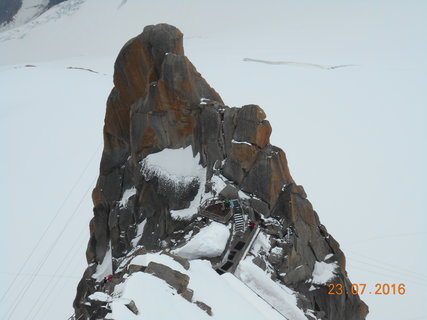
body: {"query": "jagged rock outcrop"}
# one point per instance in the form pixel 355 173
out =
pixel 160 101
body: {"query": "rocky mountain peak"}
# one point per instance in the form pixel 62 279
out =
pixel 178 166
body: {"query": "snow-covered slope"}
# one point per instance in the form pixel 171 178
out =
pixel 362 129
pixel 227 296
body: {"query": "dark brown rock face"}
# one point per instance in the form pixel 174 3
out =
pixel 160 101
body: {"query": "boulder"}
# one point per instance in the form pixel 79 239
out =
pixel 174 278
pixel 204 307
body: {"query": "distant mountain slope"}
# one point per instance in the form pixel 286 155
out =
pixel 14 13
pixel 8 9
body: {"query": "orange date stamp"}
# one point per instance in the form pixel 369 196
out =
pixel 360 288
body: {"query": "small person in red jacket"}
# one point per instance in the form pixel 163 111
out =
pixel 108 278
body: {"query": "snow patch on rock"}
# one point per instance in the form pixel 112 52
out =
pixel 105 268
pixel 208 243
pixel 324 272
pixel 123 203
pixel 177 166
pixel 139 232
pixel 145 259
pixel 180 174
pixel 261 244
pixel 100 296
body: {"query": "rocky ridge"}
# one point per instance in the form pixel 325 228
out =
pixel 160 102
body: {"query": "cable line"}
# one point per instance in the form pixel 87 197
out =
pixel 74 270
pixel 49 226
pixel 389 275
pixel 420 281
pixel 44 259
pixel 388 265
pixel 75 249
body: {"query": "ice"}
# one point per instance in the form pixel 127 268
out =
pixel 324 272
pixel 209 242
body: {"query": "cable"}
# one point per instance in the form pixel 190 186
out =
pixel 74 270
pixel 49 226
pixel 415 278
pixel 75 250
pixel 382 273
pixel 39 275
pixel 390 236
pixel 42 294
pixel 387 264
pixel 44 259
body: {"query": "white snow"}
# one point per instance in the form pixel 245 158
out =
pixel 228 297
pixel 35 101
pixel 244 195
pixel 218 183
pixel 100 296
pixel 261 244
pixel 105 268
pixel 126 195
pixel 279 296
pixel 139 232
pixel 177 166
pixel 209 242
pixel 241 142
pixel 329 255
pixel 324 272
pixel 145 259
pixel 120 311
